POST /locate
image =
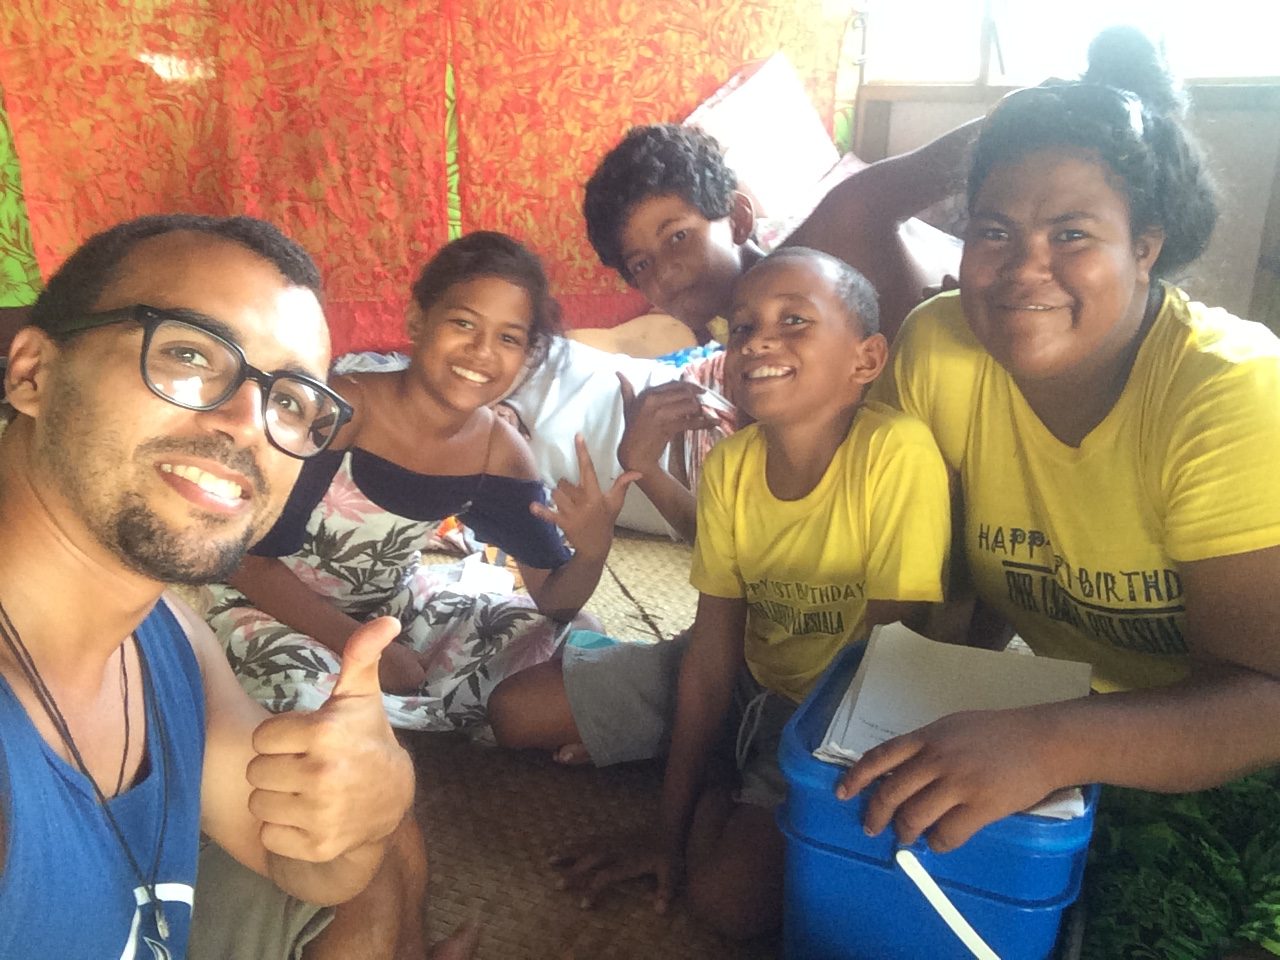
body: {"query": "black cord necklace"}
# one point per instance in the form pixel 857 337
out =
pixel 124 697
pixel 22 655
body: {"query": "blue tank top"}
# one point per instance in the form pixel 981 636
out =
pixel 66 888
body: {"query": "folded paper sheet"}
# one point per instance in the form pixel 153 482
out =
pixel 906 681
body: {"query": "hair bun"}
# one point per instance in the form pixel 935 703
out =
pixel 1125 57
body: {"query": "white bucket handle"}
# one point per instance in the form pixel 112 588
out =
pixel 942 905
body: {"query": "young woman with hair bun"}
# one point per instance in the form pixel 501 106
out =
pixel 1080 396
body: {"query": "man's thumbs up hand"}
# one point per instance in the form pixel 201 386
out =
pixel 327 782
pixel 360 658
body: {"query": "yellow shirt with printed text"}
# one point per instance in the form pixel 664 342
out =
pixel 1079 547
pixel 876 527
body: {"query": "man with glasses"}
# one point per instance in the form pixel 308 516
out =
pixel 161 404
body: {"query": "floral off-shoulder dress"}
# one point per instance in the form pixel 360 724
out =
pixel 353 531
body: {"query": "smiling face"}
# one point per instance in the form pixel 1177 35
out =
pixel 1052 281
pixel 177 494
pixel 472 343
pixel 795 353
pixel 684 263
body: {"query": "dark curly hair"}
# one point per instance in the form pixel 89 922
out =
pixel 1128 110
pixel 663 158
pixel 487 253
pixel 76 286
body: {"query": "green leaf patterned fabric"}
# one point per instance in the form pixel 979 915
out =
pixel 19 275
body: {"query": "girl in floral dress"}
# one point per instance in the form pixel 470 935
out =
pixel 425 444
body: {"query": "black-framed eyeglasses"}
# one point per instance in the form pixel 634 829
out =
pixel 193 367
pixel 1122 108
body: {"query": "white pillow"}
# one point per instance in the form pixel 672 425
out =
pixel 576 391
pixel 771 135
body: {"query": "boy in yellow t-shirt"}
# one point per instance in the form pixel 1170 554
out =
pixel 826 516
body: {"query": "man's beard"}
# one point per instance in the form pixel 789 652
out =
pixel 148 547
pixel 120 519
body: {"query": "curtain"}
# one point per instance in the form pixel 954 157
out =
pixel 326 118
pixel 19 275
pixel 546 87
pixel 331 118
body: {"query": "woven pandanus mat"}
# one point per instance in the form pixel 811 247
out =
pixel 645 592
pixel 493 817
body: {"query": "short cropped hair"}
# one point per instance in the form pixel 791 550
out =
pixel 76 286
pixel 650 161
pixel 853 289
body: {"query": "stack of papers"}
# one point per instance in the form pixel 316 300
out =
pixel 906 681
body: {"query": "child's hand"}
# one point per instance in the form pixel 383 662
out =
pixel 955 776
pixel 583 511
pixel 593 867
pixel 655 418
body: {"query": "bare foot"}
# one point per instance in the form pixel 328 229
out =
pixel 459 945
pixel 572 755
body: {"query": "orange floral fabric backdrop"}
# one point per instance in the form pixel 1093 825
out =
pixel 546 87
pixel 328 118
pixel 325 118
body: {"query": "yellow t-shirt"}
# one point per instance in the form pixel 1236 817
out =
pixel 1078 547
pixel 876 527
